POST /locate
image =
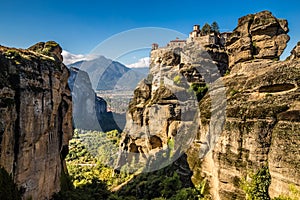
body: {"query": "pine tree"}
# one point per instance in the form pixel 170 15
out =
pixel 215 27
pixel 206 29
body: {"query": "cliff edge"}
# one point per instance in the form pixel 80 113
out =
pixel 262 128
pixel 36 117
pixel 253 125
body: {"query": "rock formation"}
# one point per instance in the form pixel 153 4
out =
pixel 262 115
pixel 295 53
pixel 257 36
pixel 253 123
pixel 89 110
pixel 163 114
pixel 154 115
pixel 262 129
pixel 36 117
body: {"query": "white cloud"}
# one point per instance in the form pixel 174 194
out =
pixel 70 58
pixel 143 62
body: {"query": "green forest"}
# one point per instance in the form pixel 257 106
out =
pixel 91 175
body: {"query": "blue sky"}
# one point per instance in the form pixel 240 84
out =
pixel 79 26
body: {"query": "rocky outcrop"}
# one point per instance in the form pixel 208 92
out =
pixel 252 124
pixel 219 56
pixel 262 129
pixel 257 36
pixel 36 117
pixel 49 48
pixel 162 117
pixel 89 110
pixel 262 124
pixel 295 53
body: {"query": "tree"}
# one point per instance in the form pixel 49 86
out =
pixel 215 27
pixel 170 185
pixel 206 29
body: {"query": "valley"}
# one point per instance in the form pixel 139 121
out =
pixel 117 100
pixel 215 117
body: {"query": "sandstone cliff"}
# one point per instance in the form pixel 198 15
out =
pixel 262 113
pixel 162 120
pixel 257 36
pixel 246 120
pixel 36 117
pixel 262 128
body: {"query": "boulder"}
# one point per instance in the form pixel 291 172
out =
pixel 257 36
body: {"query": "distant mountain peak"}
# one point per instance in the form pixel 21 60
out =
pixel 106 74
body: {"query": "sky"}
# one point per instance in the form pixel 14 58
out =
pixel 80 26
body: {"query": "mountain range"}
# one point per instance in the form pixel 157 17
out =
pixel 106 74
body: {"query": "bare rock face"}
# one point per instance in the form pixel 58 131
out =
pixel 89 110
pixel 295 53
pixel 219 56
pixel 262 129
pixel 162 119
pixel 154 119
pixel 257 36
pixel 36 117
